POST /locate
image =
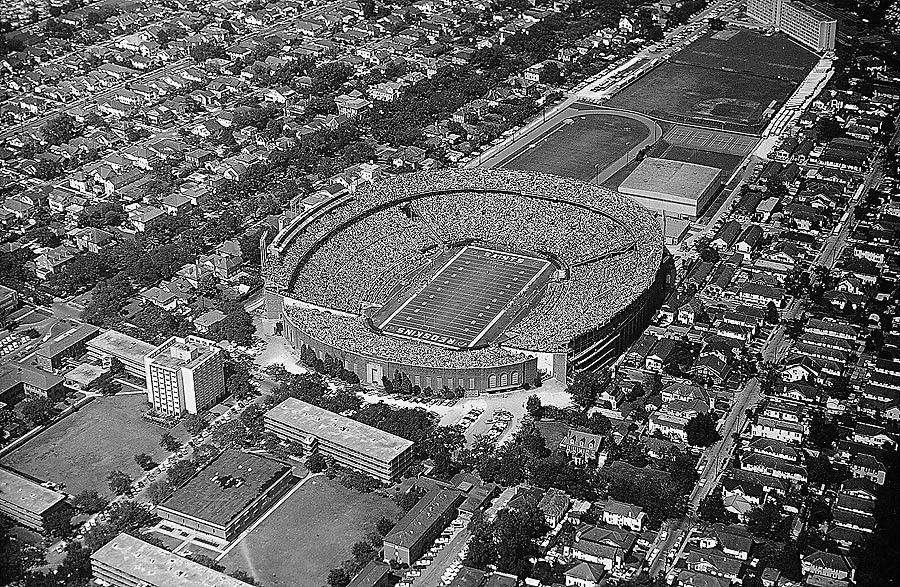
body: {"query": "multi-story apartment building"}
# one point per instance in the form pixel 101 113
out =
pixel 350 443
pixel 29 504
pixel 184 375
pixel 802 22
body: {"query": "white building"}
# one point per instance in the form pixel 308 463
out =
pixel 184 375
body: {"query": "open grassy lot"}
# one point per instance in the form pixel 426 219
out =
pixel 580 145
pixel 309 534
pixel 82 448
pixel 704 96
pixel 745 51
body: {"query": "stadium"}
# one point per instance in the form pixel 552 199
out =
pixel 467 278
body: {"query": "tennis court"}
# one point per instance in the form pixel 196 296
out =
pixel 467 299
pixel 710 140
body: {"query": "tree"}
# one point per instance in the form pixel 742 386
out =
pixel 89 502
pixel 338 577
pixel 701 430
pixel 534 407
pixel 158 491
pixel 236 327
pixel 586 388
pixel 772 316
pixel 76 567
pixel 316 463
pixel 168 442
pixel 194 424
pixel 384 526
pixel 144 461
pixel 241 575
pixel 59 129
pixel 206 561
pixel 119 482
pixel 129 516
pixel 712 508
pixel 37 411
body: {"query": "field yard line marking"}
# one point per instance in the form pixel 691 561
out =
pixel 262 518
pixel 415 295
pixel 503 311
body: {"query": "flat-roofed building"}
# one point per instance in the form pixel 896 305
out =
pixel 70 344
pixel 184 375
pixel 126 561
pixel 803 22
pixel 411 536
pixel 374 574
pixel 29 504
pixel 350 443
pixel 113 344
pixel 679 189
pixel 227 495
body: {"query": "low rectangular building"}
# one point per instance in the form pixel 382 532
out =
pixel 28 503
pixel 113 344
pixel 679 189
pixel 411 536
pixel 351 444
pixel 126 561
pixel 70 344
pixel 227 495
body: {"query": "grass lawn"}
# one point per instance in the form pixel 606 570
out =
pixel 707 96
pixel 750 52
pixel 82 448
pixel 580 148
pixel 309 534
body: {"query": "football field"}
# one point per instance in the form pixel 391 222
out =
pixel 467 299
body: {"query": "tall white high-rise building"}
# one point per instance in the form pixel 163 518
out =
pixel 184 375
pixel 804 23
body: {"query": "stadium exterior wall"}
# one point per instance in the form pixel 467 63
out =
pixel 370 369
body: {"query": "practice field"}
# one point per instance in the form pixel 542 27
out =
pixel 745 51
pixel 710 140
pixel 309 534
pixel 82 448
pixel 704 96
pixel 580 146
pixel 467 299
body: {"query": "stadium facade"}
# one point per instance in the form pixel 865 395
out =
pixel 476 279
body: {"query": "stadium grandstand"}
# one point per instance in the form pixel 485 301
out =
pixel 468 278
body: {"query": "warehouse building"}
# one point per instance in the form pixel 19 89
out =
pixel 413 534
pixel 126 561
pixel 113 344
pixel 29 504
pixel 350 443
pixel 227 495
pixel 678 189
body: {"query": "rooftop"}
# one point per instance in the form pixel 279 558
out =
pixel 338 429
pixel 25 494
pixel 672 178
pixel 221 490
pixel 67 339
pixel 188 352
pixel 115 343
pixel 156 567
pixel 420 518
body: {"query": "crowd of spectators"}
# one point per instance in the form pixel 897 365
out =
pixel 350 334
pixel 610 247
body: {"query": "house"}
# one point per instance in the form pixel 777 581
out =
pixel 607 547
pixel 866 466
pixel 660 354
pixel 583 447
pixel 91 239
pixel 53 260
pixel 585 574
pixel 713 562
pixel 207 320
pixel 624 515
pixel 826 564
pixel 688 578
